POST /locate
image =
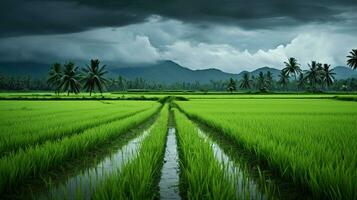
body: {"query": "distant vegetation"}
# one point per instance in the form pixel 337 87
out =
pixel 319 77
pixel 71 79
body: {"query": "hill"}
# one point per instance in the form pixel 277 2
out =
pixel 36 70
pixel 164 72
pixel 344 72
pixel 275 72
pixel 171 72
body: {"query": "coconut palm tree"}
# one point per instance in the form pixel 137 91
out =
pixel 292 67
pixel 231 85
pixel 70 79
pixel 269 80
pixel 321 71
pixel 55 77
pixel 261 82
pixel 93 77
pixel 352 59
pixel 301 82
pixel 314 74
pixel 246 83
pixel 254 81
pixel 283 79
pixel 328 75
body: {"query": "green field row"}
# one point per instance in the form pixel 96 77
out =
pixel 310 142
pixel 31 131
pixel 35 160
pixel 138 179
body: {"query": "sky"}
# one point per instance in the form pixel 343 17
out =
pixel 231 35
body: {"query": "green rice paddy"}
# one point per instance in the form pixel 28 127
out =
pixel 311 142
pixel 304 142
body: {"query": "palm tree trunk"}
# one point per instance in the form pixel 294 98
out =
pixel 90 92
pixel 297 87
pixel 68 93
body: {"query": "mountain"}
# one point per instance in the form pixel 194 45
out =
pixel 275 72
pixel 343 72
pixel 164 71
pixel 37 70
pixel 171 72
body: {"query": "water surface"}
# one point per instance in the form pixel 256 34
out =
pixel 247 187
pixel 84 183
pixel 169 182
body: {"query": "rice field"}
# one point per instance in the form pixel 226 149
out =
pixel 252 147
pixel 307 141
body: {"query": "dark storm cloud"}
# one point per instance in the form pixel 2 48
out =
pixel 48 17
pixel 26 17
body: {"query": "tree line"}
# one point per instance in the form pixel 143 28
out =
pixel 72 79
pixel 317 78
pixel 23 83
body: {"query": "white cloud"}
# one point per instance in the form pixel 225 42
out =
pixel 323 47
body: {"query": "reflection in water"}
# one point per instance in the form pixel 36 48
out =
pixel 247 188
pixel 169 174
pixel 83 184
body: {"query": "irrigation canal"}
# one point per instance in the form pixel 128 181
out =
pixel 254 181
pixel 84 183
pixel 247 187
pixel 169 182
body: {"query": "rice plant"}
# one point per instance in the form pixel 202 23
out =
pixel 35 133
pixel 310 142
pixel 139 178
pixel 203 177
pixel 36 160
